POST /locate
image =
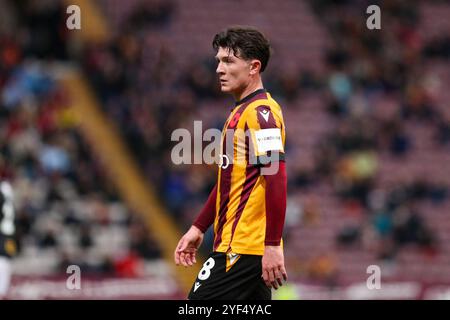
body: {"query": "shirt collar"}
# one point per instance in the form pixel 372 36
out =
pixel 248 97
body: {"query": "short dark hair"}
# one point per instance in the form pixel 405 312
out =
pixel 246 43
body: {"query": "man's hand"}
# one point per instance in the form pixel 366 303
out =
pixel 187 247
pixel 273 270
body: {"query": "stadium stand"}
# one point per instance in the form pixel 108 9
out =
pixel 368 133
pixel 67 211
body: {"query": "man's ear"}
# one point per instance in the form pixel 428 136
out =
pixel 255 66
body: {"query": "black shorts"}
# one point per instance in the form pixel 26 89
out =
pixel 242 281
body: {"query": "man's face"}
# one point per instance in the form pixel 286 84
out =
pixel 234 72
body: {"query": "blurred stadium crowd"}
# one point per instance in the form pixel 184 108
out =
pixel 66 211
pixel 367 116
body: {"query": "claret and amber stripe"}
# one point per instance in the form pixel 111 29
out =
pixel 240 218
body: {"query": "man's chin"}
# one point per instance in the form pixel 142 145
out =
pixel 225 89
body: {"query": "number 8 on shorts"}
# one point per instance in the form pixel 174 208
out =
pixel 205 271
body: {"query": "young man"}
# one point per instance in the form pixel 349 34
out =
pixel 248 203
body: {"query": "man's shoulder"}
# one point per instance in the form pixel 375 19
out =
pixel 266 101
pixel 263 105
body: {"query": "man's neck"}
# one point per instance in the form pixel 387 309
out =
pixel 248 90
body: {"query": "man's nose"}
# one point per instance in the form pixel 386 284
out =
pixel 219 68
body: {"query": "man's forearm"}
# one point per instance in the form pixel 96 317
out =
pixel 207 215
pixel 276 189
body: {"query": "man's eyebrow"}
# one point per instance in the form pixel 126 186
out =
pixel 226 58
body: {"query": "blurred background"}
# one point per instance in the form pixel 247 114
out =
pixel 86 118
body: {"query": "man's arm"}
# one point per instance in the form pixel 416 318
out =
pixel 273 260
pixel 266 126
pixel 207 215
pixel 186 249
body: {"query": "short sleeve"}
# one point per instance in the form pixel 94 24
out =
pixel 266 131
